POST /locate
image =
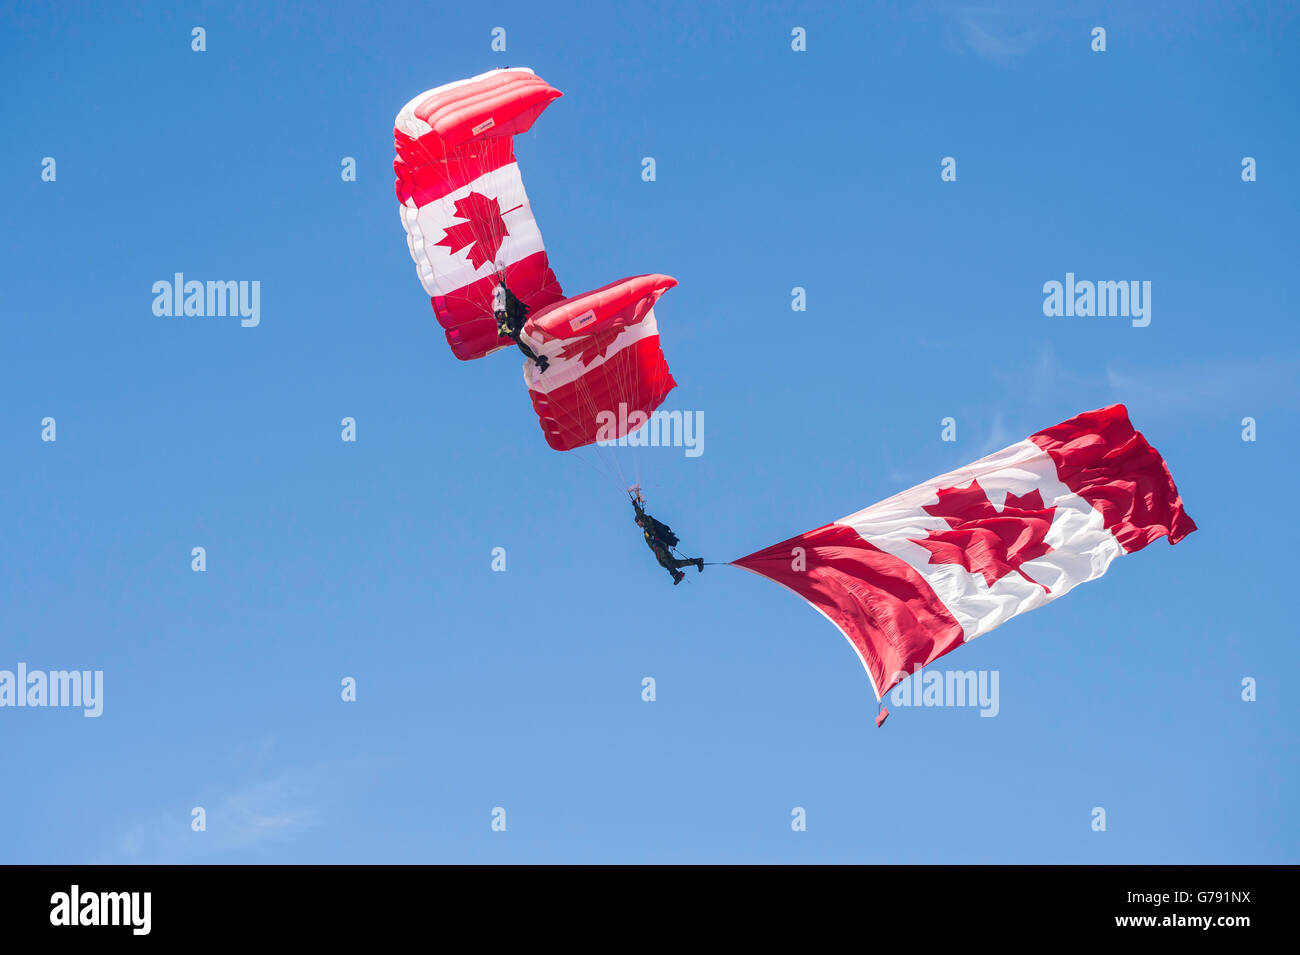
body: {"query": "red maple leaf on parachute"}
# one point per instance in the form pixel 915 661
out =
pixel 985 540
pixel 590 348
pixel 483 232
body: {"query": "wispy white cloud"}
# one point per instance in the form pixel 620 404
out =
pixel 992 31
pixel 253 815
pixel 1205 389
pixel 266 808
pixel 1207 386
pixel 998 436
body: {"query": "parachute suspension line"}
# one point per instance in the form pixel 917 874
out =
pixel 633 375
pixel 616 374
pixel 602 460
pixel 627 373
pixel 591 462
pixel 588 409
pixel 630 383
pixel 630 372
pixel 614 454
pixel 606 465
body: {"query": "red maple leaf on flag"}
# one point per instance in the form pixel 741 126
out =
pixel 483 231
pixel 985 540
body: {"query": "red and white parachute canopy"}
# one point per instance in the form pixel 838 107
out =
pixel 916 576
pixel 607 373
pixel 467 218
pixel 469 227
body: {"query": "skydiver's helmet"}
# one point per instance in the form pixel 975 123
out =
pixel 640 520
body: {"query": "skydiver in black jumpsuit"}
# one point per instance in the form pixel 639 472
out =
pixel 510 313
pixel 659 537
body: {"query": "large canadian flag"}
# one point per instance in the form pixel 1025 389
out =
pixel 916 576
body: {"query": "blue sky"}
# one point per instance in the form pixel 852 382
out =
pixel 522 689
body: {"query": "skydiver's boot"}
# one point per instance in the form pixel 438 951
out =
pixel 699 564
pixel 677 577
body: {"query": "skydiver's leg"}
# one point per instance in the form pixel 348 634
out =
pixel 541 360
pixel 667 562
pixel 673 565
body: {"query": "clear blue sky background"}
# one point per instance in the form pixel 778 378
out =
pixel 522 689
